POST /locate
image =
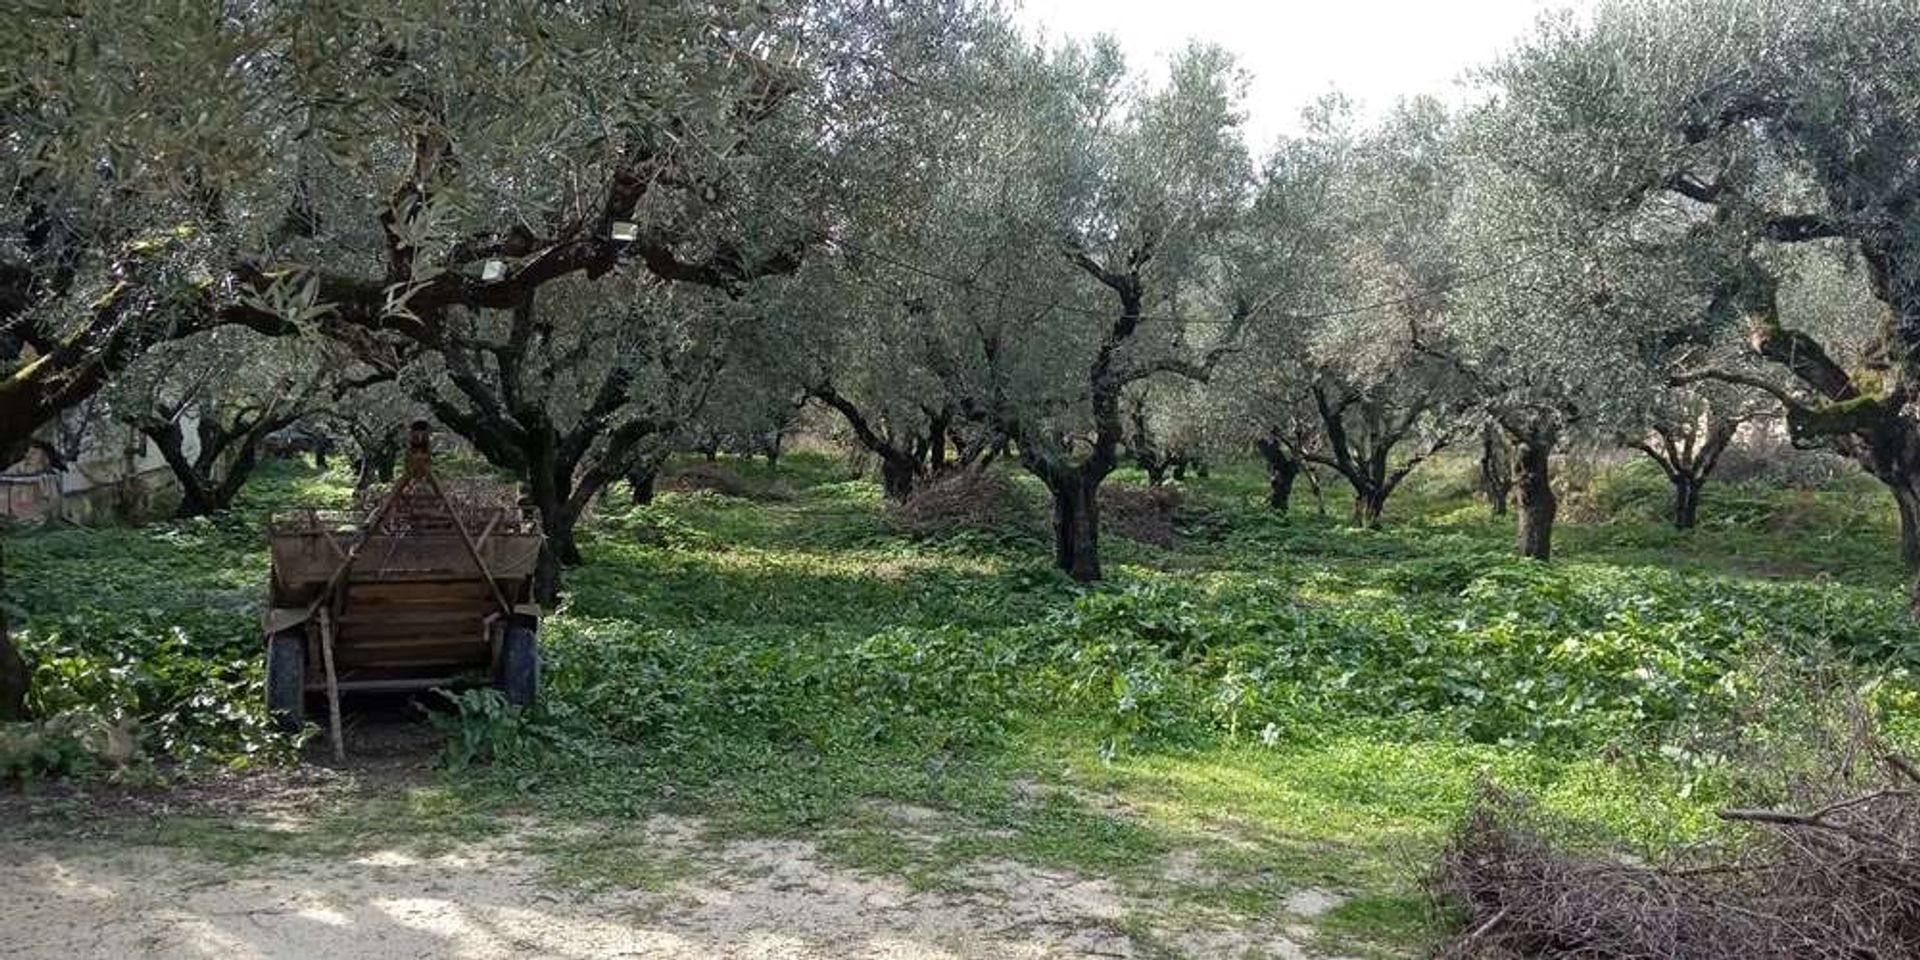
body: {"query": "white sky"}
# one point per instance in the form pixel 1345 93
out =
pixel 1296 50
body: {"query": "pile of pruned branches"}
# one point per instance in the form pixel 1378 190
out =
pixel 713 477
pixel 979 500
pixel 1141 514
pixel 1839 880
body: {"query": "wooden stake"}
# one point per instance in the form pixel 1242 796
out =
pixel 333 686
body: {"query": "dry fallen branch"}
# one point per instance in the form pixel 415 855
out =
pixel 1839 881
pixel 1904 766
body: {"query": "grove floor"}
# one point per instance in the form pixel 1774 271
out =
pixel 258 877
pixel 753 815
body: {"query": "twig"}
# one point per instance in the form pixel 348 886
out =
pixel 1903 765
pixel 1460 946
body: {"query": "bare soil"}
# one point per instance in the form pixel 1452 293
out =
pixel 77 883
pixel 496 899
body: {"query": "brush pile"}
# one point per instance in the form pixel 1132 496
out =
pixel 1141 514
pixel 714 477
pixel 967 500
pixel 1840 879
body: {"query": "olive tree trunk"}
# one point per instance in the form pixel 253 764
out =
pixel 14 675
pixel 1686 502
pixel 1496 470
pixel 1283 468
pixel 377 461
pixel 227 456
pixel 901 464
pixel 1368 505
pixel 898 477
pixel 1907 496
pixel 641 484
pixel 1076 525
pixel 1533 476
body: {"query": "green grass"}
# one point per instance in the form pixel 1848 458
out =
pixel 344 823
pixel 1275 704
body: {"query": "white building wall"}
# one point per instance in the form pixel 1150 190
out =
pixel 116 470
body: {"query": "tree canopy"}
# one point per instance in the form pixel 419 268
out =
pixel 580 234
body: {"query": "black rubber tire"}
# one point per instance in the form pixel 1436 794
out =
pixel 520 666
pixel 287 678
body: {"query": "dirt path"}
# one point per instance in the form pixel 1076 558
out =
pixel 740 899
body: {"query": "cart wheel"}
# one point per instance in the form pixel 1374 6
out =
pixel 287 678
pixel 520 666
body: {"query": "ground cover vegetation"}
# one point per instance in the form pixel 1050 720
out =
pixel 1079 368
pixel 1296 702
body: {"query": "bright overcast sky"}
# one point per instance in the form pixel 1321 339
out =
pixel 1296 50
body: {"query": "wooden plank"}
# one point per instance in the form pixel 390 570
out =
pixel 445 665
pixel 394 684
pixel 476 607
pixel 466 540
pixel 411 646
pixel 401 640
pixel 381 631
pixel 461 641
pixel 366 623
pixel 416 656
pixel 414 591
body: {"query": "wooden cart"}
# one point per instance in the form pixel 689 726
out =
pixel 425 585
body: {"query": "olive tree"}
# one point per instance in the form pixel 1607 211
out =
pixel 373 421
pixel 1065 242
pixel 1539 330
pixel 1685 429
pixel 1383 404
pixel 567 390
pixel 231 388
pixel 1134 194
pixel 1306 216
pixel 1495 468
pixel 1765 125
pixel 366 168
pixel 872 359
pixel 396 175
pixel 1166 429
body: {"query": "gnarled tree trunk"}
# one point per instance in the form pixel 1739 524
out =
pixel 902 465
pixel 1532 474
pixel 558 519
pixel 939 424
pixel 640 483
pixel 1686 502
pixel 1076 524
pixel 898 477
pixel 1688 450
pixel 1368 505
pixel 1146 452
pixel 1363 455
pixel 1283 468
pixel 376 465
pixel 1496 470
pixel 15 678
pixel 1906 494
pixel 205 487
pixel 1280 479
